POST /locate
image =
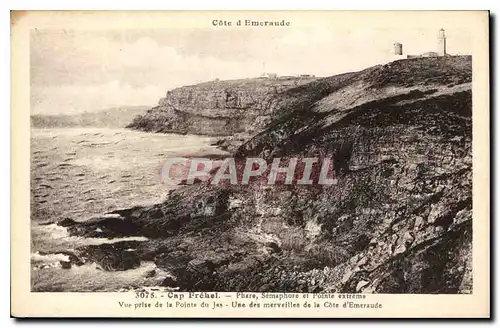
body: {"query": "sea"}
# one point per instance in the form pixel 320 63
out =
pixel 80 173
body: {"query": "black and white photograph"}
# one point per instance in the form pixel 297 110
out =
pixel 255 155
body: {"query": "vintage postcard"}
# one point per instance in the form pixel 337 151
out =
pixel 301 164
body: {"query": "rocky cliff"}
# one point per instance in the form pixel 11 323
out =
pixel 219 108
pixel 397 220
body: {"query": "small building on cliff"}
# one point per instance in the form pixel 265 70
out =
pixel 441 48
pixel 270 75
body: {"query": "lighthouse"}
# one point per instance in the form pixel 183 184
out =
pixel 398 49
pixel 441 43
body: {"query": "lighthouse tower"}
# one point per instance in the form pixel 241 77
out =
pixel 441 43
pixel 398 49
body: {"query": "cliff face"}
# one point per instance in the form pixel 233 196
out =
pixel 219 108
pixel 398 219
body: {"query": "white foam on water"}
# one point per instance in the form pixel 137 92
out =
pixel 46 261
pixel 49 258
pixel 91 277
pixel 111 216
pixel 101 241
pixel 55 232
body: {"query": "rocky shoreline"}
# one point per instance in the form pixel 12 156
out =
pixel 399 219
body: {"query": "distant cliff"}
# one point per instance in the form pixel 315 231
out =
pixel 111 118
pixel 218 108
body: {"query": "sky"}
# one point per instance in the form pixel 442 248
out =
pixel 74 71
